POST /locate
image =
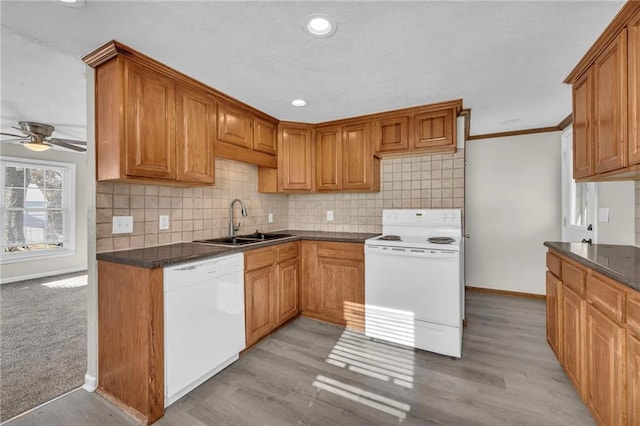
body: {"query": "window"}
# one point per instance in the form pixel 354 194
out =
pixel 579 201
pixel 38 202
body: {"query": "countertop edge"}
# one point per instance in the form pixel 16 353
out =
pixel 623 279
pixel 120 257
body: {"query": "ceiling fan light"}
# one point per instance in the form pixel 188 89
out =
pixel 36 146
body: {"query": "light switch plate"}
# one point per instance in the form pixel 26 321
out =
pixel 330 215
pixel 270 218
pixel 603 215
pixel 164 221
pixel 122 225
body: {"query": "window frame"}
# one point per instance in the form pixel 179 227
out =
pixel 68 209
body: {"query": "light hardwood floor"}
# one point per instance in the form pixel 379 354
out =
pixel 311 373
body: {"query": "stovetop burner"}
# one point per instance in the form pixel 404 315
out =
pixel 390 238
pixel 441 240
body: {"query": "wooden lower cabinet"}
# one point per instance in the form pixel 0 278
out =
pixel 572 337
pixel 260 303
pixel 598 337
pixel 553 313
pixel 605 359
pixel 333 282
pixel 271 283
pixel 633 376
pixel 131 339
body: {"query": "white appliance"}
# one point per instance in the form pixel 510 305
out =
pixel 203 321
pixel 414 283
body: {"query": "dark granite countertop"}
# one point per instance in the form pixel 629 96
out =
pixel 621 263
pixel 161 256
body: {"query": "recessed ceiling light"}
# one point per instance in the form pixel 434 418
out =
pixel 319 25
pixel 73 3
pixel 298 102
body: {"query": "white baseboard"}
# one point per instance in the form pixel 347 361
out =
pixel 90 383
pixel 41 275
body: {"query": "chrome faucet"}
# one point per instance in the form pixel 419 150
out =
pixel 232 228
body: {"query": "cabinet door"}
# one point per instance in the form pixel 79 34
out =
pixel 195 114
pixel 357 157
pixel 295 158
pixel 260 303
pixel 553 314
pixel 392 134
pixel 434 130
pixel 582 130
pixel 287 290
pixel 264 136
pixel 610 106
pixel 150 124
pixel 234 125
pixel 605 342
pixel 340 276
pixel 634 89
pixel 633 375
pixel 573 338
pixel 329 158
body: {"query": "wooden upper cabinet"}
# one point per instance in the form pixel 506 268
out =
pixel 150 125
pixel 265 136
pixel 391 134
pixel 234 125
pixel 582 122
pixel 434 129
pixel 610 106
pixel 328 146
pixel 633 92
pixel 295 158
pixel 359 169
pixel 195 136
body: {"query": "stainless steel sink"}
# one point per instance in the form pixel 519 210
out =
pixel 241 240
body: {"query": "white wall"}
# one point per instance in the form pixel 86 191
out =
pixel 43 266
pixel 513 205
pixel 619 197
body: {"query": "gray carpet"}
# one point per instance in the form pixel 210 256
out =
pixel 43 340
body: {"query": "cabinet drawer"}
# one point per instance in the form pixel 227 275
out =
pixel 347 251
pixel 259 258
pixel 573 277
pixel 287 251
pixel 606 296
pixel 633 314
pixel 553 264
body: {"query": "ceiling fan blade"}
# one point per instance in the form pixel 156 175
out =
pixel 75 142
pixel 59 142
pixel 11 134
pixel 20 139
pixel 27 132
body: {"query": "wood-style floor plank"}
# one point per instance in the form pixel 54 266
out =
pixel 312 373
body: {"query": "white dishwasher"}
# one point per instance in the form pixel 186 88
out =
pixel 203 321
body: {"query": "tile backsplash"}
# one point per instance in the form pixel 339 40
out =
pixel 194 213
pixel 429 181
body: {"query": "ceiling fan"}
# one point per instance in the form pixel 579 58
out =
pixel 37 137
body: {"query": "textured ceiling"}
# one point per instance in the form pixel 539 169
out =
pixel 507 60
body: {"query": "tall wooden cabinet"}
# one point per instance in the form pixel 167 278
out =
pixel 329 160
pixel 606 102
pixel 333 277
pixel 598 324
pixel 295 157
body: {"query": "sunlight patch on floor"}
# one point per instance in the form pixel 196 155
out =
pixel 74 282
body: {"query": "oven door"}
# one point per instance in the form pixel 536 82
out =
pixel 413 297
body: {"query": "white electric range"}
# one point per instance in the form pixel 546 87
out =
pixel 414 280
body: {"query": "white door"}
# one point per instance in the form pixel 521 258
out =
pixel 579 200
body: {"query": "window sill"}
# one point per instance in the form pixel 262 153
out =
pixel 30 257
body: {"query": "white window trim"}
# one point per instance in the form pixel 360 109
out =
pixel 68 207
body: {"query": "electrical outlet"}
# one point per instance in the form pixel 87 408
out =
pixel 270 218
pixel 330 215
pixel 122 225
pixel 164 221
